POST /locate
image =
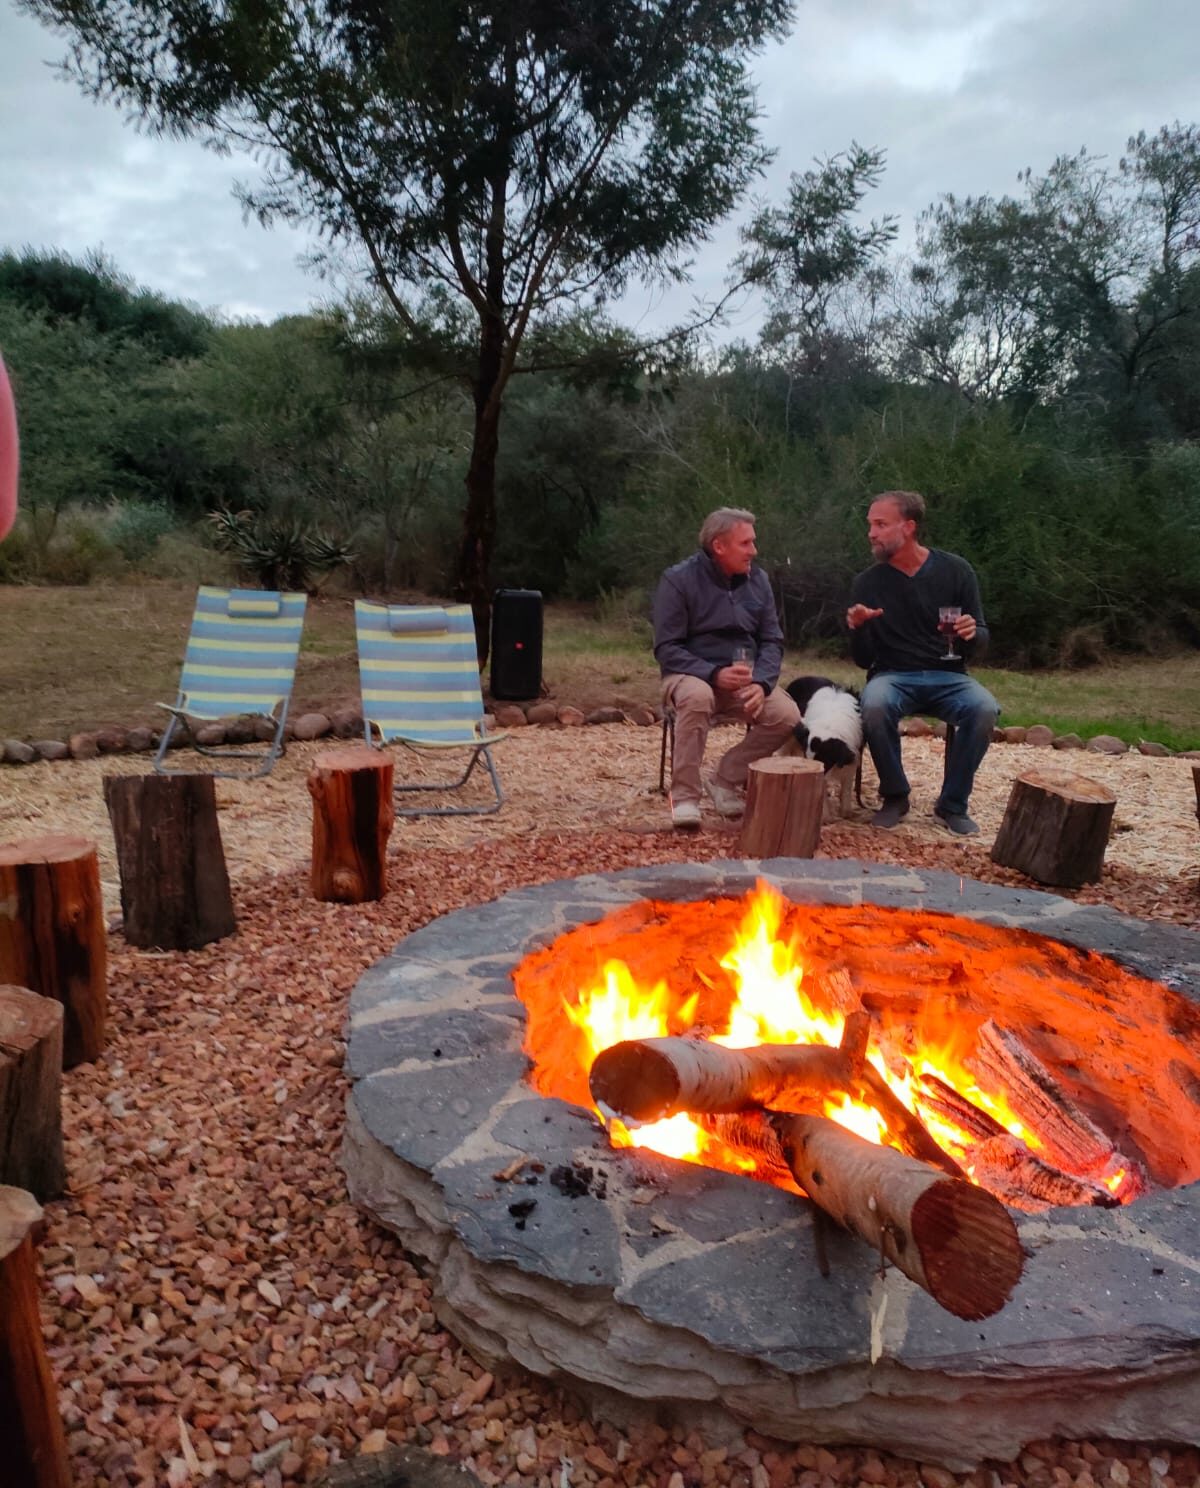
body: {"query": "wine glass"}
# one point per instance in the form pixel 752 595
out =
pixel 948 615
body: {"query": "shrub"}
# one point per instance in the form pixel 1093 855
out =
pixel 135 529
pixel 280 552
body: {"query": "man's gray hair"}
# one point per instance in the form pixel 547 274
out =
pixel 910 504
pixel 721 521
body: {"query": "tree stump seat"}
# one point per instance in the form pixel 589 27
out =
pixel 31 1144
pixel 33 1451
pixel 785 805
pixel 175 893
pixel 1056 828
pixel 353 813
pixel 52 934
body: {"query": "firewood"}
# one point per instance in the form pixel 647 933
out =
pixel 52 938
pixel 32 1446
pixel 955 1107
pixel 353 813
pixel 953 1239
pixel 649 1079
pixel 31 1144
pixel 1006 1166
pixel 1069 1140
pixel 785 802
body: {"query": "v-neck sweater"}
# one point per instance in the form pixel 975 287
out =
pixel 905 637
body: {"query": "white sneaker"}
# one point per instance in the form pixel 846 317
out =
pixel 728 801
pixel 685 815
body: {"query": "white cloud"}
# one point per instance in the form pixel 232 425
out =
pixel 962 94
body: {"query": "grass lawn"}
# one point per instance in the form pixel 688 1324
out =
pixel 73 658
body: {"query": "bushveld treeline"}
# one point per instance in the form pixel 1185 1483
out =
pixel 1033 367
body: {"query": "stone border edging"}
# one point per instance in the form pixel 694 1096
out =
pixel 347 723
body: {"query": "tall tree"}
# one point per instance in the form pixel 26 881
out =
pixel 522 155
pixel 1082 287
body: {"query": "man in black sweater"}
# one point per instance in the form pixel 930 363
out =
pixel 896 608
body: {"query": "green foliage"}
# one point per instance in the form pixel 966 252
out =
pixel 93 292
pixel 514 159
pixel 136 528
pixel 278 552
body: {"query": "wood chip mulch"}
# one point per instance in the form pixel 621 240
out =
pixel 217 1312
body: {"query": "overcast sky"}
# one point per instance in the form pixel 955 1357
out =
pixel 962 94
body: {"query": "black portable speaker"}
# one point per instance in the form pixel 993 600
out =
pixel 516 644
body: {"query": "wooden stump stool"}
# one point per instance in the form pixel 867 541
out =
pixel 1055 828
pixel 31 1146
pixel 353 814
pixel 174 884
pixel 785 802
pixel 32 1446
pixel 52 934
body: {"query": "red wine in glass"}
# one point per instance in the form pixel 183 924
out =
pixel 948 617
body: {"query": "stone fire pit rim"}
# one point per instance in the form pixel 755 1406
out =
pixel 438 1107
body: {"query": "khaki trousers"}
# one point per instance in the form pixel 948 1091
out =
pixel 696 705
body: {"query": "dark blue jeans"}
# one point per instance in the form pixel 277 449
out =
pixel 951 696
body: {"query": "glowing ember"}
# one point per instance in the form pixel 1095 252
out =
pixel 765 971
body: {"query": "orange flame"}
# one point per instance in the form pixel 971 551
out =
pixel 770 1007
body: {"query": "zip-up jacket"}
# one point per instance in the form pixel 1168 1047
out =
pixel 701 613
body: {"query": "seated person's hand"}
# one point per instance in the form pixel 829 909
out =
pixel 859 614
pixel 753 700
pixel 965 627
pixel 735 678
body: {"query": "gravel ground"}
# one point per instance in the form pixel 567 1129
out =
pixel 216 1311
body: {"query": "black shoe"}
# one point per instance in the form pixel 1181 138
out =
pixel 891 813
pixel 960 825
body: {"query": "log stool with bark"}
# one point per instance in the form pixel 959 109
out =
pixel 1055 828
pixel 785 803
pixel 31 1144
pixel 33 1452
pixel 52 936
pixel 174 884
pixel 353 814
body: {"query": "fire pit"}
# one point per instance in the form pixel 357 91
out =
pixel 640 1278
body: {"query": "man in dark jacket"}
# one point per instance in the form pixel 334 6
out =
pixel 719 647
pixel 916 618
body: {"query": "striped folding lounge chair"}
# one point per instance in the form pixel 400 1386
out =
pixel 420 686
pixel 240 660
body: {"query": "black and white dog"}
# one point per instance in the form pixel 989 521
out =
pixel 830 730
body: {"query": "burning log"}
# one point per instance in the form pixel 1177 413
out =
pixel 1070 1139
pixel 1004 1164
pixel 649 1079
pixel 952 1106
pixel 956 1241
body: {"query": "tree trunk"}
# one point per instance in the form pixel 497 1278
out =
pixel 473 581
pixel 31 1146
pixel 1055 828
pixel 785 802
pixel 52 937
pixel 174 885
pixel 33 1450
pixel 352 821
